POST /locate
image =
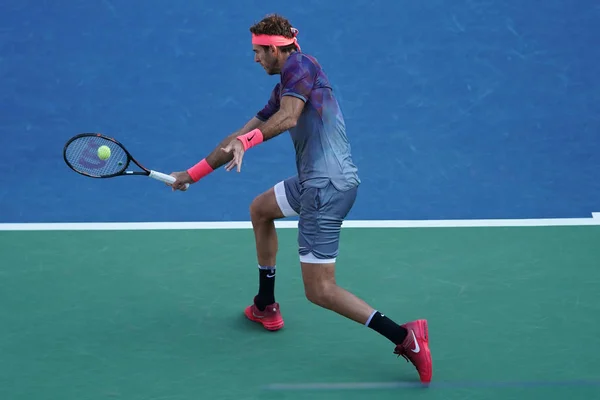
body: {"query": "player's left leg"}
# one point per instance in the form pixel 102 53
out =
pixel 278 202
pixel 321 216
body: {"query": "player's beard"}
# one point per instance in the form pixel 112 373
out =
pixel 271 66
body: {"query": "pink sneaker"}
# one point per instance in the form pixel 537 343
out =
pixel 270 318
pixel 415 348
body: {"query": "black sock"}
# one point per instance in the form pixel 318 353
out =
pixel 388 328
pixel 266 287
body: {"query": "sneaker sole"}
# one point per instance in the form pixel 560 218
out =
pixel 425 332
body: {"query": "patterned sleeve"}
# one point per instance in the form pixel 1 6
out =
pixel 272 106
pixel 298 77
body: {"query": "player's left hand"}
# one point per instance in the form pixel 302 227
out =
pixel 237 149
pixel 181 179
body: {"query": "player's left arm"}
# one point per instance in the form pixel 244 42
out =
pixel 297 82
pixel 284 119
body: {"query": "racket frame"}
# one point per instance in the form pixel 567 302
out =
pixel 123 172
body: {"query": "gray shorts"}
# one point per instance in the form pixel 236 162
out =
pixel 321 212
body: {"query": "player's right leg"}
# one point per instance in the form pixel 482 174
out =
pixel 278 202
pixel 322 213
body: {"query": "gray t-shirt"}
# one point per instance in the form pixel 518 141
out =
pixel 322 149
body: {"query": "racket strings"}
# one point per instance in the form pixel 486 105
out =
pixel 82 154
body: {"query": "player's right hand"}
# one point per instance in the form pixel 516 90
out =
pixel 181 178
pixel 236 148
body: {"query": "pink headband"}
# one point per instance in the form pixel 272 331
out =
pixel 267 40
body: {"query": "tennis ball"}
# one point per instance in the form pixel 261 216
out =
pixel 103 152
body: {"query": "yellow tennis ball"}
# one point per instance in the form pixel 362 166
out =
pixel 103 152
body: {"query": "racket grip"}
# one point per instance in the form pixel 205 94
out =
pixel 164 178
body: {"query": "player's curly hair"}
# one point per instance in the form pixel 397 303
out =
pixel 275 24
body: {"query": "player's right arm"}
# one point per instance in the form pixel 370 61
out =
pixel 217 158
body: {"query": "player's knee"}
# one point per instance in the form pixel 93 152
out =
pixel 264 208
pixel 320 293
pixel 258 211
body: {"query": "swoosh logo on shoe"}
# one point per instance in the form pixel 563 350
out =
pixel 417 348
pixel 257 316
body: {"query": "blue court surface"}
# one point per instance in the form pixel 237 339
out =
pixel 463 111
pixel 455 109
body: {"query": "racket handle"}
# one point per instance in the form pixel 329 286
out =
pixel 164 178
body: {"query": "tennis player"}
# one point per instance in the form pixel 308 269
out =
pixel 321 194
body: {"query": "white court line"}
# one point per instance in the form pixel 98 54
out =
pixel 325 386
pixel 465 223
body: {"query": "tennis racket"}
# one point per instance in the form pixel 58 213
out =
pixel 81 155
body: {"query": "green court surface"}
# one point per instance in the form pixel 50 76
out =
pixel 87 315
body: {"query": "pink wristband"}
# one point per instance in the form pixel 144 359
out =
pixel 200 170
pixel 251 138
